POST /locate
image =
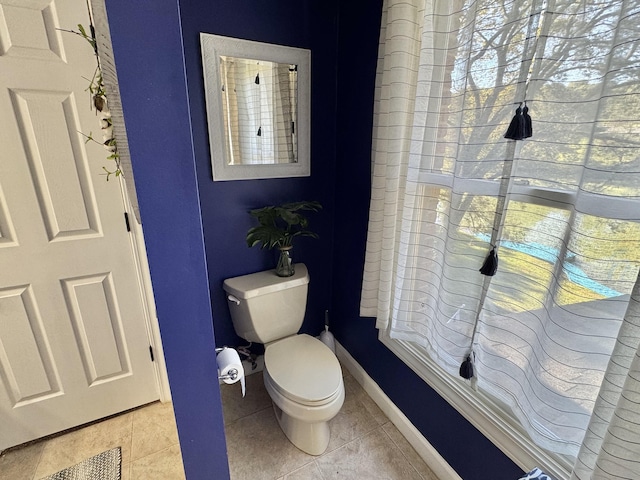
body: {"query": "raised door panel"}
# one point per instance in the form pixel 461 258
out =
pixel 97 324
pixel 29 29
pixel 26 364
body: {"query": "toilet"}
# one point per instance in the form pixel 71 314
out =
pixel 301 374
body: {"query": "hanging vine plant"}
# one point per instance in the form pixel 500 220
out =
pixel 98 96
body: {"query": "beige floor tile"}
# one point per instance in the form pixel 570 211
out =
pixel 163 465
pixel 20 464
pixel 353 420
pixel 371 456
pixel 409 453
pixel 236 407
pixel 154 429
pixel 69 449
pixel 308 472
pixel 352 385
pixel 258 450
pixel 125 472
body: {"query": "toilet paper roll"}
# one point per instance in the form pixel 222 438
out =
pixel 228 360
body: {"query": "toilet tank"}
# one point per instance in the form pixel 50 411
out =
pixel 265 307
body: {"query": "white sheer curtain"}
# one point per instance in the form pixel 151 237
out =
pixel 555 331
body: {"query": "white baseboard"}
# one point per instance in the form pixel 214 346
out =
pixel 427 452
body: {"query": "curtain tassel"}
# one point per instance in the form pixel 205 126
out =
pixel 528 125
pixel 516 130
pixel 466 369
pixel 490 265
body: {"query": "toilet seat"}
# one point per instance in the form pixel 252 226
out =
pixel 303 369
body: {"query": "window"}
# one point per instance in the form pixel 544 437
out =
pixel 562 207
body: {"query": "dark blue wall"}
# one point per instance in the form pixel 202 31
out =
pixel 195 227
pixel 298 23
pixel 147 43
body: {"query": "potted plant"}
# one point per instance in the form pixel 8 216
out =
pixel 279 225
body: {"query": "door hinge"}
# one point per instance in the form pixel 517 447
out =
pixel 126 221
pixel 151 353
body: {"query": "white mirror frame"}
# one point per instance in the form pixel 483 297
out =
pixel 214 46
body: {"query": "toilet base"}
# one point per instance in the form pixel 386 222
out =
pixel 306 426
pixel 311 438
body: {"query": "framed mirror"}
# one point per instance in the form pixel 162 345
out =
pixel 257 97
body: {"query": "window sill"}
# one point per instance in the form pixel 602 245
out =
pixel 481 412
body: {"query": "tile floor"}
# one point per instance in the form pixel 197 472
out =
pixel 147 436
pixel 364 443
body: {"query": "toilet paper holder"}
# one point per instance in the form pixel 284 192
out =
pixel 232 374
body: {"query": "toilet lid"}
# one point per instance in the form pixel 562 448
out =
pixel 303 368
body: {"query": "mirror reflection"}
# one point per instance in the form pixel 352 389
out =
pixel 259 109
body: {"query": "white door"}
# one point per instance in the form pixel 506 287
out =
pixel 74 345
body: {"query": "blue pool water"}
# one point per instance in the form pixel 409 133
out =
pixel 550 254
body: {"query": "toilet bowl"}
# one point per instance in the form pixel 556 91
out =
pixel 301 374
pixel 304 380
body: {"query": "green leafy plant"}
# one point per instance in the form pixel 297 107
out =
pixel 98 96
pixel 279 225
